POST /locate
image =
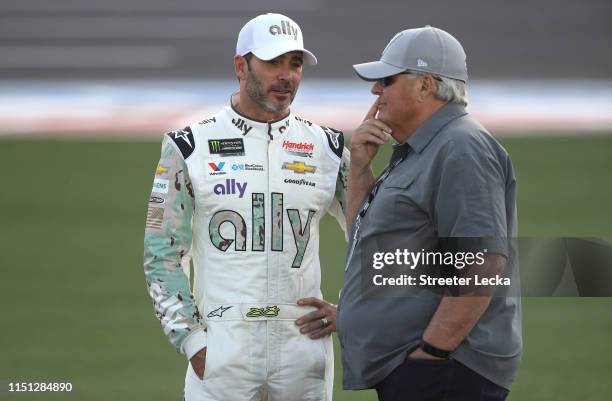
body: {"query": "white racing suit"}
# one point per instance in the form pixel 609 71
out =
pixel 244 199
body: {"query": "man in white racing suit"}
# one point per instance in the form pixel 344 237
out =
pixel 242 192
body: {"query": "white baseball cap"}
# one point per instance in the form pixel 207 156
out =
pixel 270 35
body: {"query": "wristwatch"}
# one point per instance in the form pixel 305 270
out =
pixel 435 351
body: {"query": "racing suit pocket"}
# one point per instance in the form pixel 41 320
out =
pixel 193 373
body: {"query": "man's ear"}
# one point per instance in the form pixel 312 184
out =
pixel 428 87
pixel 240 67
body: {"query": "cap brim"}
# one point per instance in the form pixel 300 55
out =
pixel 376 70
pixel 272 52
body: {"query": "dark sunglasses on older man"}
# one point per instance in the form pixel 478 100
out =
pixel 388 81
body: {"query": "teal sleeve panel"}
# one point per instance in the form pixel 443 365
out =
pixel 167 243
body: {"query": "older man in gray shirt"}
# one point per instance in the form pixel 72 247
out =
pixel 447 179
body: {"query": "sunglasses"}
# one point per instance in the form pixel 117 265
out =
pixel 388 81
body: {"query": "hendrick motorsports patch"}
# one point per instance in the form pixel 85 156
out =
pixel 226 147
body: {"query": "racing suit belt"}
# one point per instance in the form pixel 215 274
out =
pixel 256 311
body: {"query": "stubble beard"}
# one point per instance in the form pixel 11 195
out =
pixel 255 90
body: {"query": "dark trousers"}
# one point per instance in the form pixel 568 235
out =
pixel 444 380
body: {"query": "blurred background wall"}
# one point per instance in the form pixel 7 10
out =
pixel 545 39
pixel 139 68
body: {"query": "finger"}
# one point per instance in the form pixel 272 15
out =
pixel 379 124
pixel 321 333
pixel 311 327
pixel 311 301
pixel 364 137
pixel 312 316
pixel 375 127
pixel 372 112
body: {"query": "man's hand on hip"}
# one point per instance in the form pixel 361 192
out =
pixel 318 323
pixel 198 362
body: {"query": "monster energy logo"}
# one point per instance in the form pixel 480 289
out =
pixel 215 146
pixel 268 311
pixel 226 147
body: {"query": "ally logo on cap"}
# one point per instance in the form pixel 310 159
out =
pixel 286 28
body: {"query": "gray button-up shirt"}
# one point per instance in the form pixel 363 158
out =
pixel 456 181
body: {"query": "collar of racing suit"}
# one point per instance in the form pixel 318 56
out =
pixel 273 128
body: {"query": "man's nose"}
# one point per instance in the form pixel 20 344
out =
pixel 284 73
pixel 377 89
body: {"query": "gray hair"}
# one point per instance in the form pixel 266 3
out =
pixel 449 90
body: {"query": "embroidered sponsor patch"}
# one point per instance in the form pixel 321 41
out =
pixel 268 311
pixel 301 181
pixel 226 147
pixel 247 167
pixel 155 218
pixel 299 167
pixel 208 121
pixel 303 149
pixel 160 186
pixel 216 168
pixel 218 312
pixel 156 199
pixel 161 169
pixel 231 187
pixel 335 139
pixel 184 140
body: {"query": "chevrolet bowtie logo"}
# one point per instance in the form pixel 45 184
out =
pixel 299 167
pixel 161 169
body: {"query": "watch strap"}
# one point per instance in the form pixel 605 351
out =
pixel 435 351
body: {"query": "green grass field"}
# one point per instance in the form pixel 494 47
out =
pixel 75 306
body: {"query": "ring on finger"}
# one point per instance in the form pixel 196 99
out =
pixel 324 322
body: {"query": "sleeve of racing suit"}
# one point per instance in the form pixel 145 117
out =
pixel 167 240
pixel 338 206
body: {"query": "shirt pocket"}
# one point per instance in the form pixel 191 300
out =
pixel 391 191
pixel 407 200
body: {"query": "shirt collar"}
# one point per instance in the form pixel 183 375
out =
pixel 246 124
pixel 434 124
